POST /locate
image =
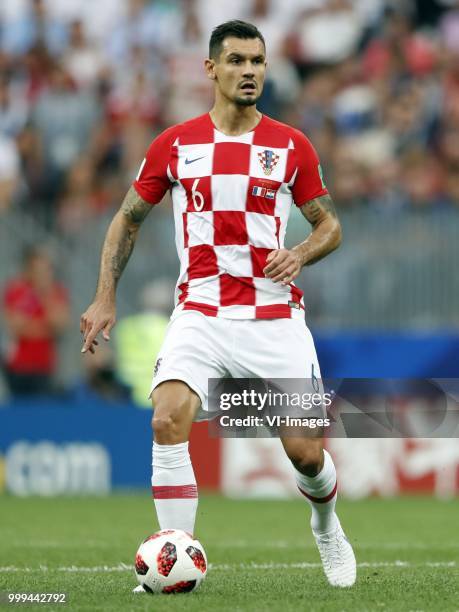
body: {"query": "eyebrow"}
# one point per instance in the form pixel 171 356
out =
pixel 234 54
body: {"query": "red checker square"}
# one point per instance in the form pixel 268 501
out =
pixel 202 261
pixel 236 291
pixel 258 256
pixel 230 228
pixel 273 311
pixel 270 136
pixel 231 158
pixel 199 131
pixel 198 194
pixel 261 195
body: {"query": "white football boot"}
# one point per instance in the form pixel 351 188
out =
pixel 139 589
pixel 337 557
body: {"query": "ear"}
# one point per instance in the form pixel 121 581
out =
pixel 209 65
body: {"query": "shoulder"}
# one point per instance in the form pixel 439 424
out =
pixel 296 136
pixel 191 129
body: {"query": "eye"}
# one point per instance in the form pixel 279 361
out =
pixel 235 60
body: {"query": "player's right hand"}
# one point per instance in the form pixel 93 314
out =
pixel 99 317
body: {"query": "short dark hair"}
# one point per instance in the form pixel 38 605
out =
pixel 235 28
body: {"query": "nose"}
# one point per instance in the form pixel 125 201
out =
pixel 248 70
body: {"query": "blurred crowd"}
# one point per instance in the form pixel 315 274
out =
pixel 36 314
pixel 85 86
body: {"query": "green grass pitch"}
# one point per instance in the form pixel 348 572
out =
pixel 262 554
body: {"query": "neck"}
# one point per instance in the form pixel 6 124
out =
pixel 233 119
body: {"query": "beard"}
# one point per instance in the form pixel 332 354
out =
pixel 243 101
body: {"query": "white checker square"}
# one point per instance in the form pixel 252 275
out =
pixel 229 191
pixel 234 260
pixel 267 292
pixel 204 290
pixel 200 228
pixel 261 230
pixel 195 160
pixel 243 138
pixel 278 165
pixel 283 206
pixel 237 311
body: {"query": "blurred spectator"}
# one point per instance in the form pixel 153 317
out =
pixel 420 180
pixel 13 108
pixel 328 32
pixel 33 183
pixel 398 49
pixel 33 26
pixel 99 18
pixel 34 72
pixel 185 69
pixel 36 312
pixel 407 117
pixel 64 119
pixel 100 381
pixel 152 25
pixel 77 206
pixel 349 180
pixel 83 60
pixel 133 109
pixel 139 337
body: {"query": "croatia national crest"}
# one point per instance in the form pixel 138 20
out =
pixel 268 160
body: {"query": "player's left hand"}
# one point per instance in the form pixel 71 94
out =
pixel 282 266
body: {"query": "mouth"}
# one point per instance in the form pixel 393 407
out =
pixel 249 86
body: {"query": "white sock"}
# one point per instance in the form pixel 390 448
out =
pixel 173 487
pixel 320 491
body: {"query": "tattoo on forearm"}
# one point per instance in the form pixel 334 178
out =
pixel 120 240
pixel 326 230
pixel 134 207
pixel 123 250
pixel 315 210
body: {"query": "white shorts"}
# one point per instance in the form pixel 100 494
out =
pixel 197 347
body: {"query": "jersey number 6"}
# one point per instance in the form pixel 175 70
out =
pixel 197 197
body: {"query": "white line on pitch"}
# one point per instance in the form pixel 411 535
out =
pixel 123 567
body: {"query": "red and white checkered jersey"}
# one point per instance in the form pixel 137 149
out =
pixel 231 198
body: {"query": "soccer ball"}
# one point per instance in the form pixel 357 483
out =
pixel 170 561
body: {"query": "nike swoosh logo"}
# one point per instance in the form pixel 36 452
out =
pixel 190 161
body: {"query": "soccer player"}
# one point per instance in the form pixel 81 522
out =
pixel 233 174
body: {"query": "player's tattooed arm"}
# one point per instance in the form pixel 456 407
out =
pixel 284 265
pixel 118 246
pixel 120 240
pixel 326 230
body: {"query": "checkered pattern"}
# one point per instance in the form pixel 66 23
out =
pixel 232 197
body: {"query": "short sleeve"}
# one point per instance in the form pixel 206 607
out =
pixel 152 180
pixel 308 181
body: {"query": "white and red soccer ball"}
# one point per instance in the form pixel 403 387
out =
pixel 170 561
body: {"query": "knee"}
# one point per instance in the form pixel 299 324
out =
pixel 308 460
pixel 166 421
pixel 163 425
pixel 171 417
